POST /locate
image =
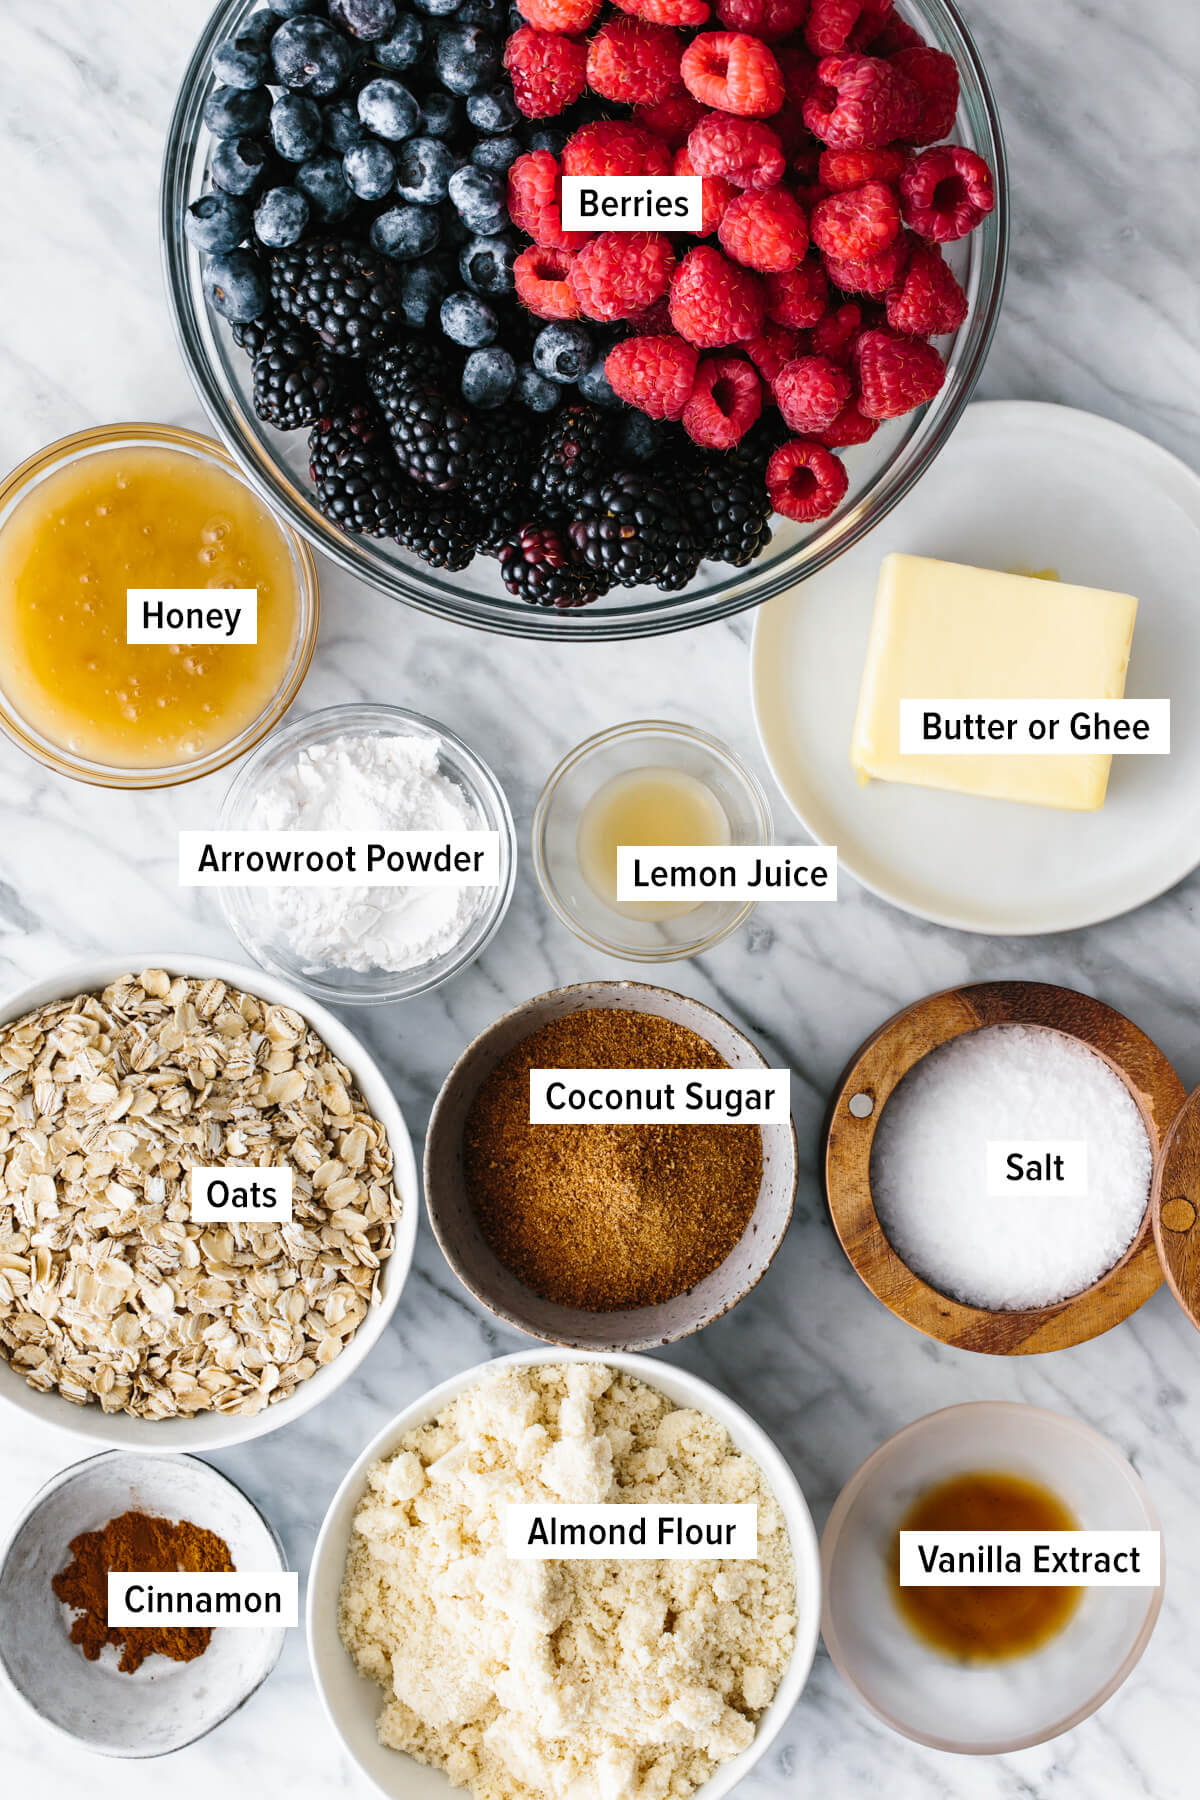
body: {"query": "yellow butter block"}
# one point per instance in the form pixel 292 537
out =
pixel 945 631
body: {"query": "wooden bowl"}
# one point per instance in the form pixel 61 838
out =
pixel 857 1105
pixel 1175 1206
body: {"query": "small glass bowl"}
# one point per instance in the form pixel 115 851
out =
pixel 645 743
pixel 250 912
pixel 23 480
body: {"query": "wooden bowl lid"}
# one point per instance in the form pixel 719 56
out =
pixel 882 1063
pixel 1175 1207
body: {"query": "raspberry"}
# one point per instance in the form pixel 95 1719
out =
pixel 715 194
pixel 858 225
pixel 799 71
pixel 671 118
pixel 548 71
pixel 630 60
pixel 724 403
pixel 841 170
pixel 733 72
pixel 667 12
pixel 774 346
pixel 767 231
pixel 534 202
pixel 614 147
pixel 850 427
pixel 872 274
pixel 799 297
pixel 832 23
pixel 744 151
pixel 810 393
pixel 770 20
pixel 935 75
pixel 655 374
pixel 946 193
pixel 835 335
pixel 620 273
pixel 541 277
pixel 806 481
pixel 895 34
pixel 572 16
pixel 896 374
pixel 714 302
pixel 928 301
pixel 860 103
pixel 654 322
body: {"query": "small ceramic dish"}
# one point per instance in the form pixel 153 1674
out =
pixel 353 1703
pixel 982 1709
pixel 163 1705
pixel 648 743
pixel 862 1092
pixel 252 914
pixel 481 1271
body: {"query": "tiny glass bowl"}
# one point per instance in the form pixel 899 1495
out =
pixel 251 912
pixel 17 486
pixel 643 744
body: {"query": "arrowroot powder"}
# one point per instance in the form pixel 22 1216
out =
pixel 1031 1247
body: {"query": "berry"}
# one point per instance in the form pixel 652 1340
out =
pixel 935 74
pixel 542 286
pixel 798 297
pixel 440 115
pixel 311 57
pixel 423 170
pixel 857 225
pixel 435 439
pixel 621 273
pixel 849 428
pixel 494 111
pixel 478 197
pixel 716 194
pixel 574 457
pixel 860 103
pixel 831 24
pixel 945 193
pixel 562 352
pixel 466 59
pixel 293 385
pixel 438 531
pixel 240 165
pixel 357 483
pixel 928 301
pixel 548 71
pixel 654 373
pixel 835 335
pixel 725 400
pixel 632 528
pixel 810 393
pixel 297 128
pixel 595 386
pixel 744 151
pixel 236 288
pixel 767 231
pixel 537 566
pixel 237 112
pixel 422 290
pixel 467 320
pixel 805 481
pixel 799 71
pixel 497 153
pixel 770 20
pixel 733 72
pixel 615 147
pixel 216 223
pixel 894 34
pixel 896 374
pixel 839 170
pixel 489 377
pixel 369 170
pixel 486 265
pixel 405 232
pixel 387 109
pixel 341 126
pixel 572 16
pixel 280 218
pixel 535 391
pixel 728 508
pixel 534 203
pixel 873 274
pixel 632 61
pixel 667 12
pixel 322 181
pixel 367 20
pixel 349 298
pixel 714 302
pixel 240 65
pixel 670 119
pixel 774 346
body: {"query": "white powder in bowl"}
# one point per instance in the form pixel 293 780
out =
pixel 574 1680
pixel 358 783
pixel 1031 1248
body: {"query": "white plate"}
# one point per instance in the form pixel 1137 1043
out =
pixel 1020 486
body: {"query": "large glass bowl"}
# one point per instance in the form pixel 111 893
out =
pixel 881 472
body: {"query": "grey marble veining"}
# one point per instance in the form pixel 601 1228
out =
pixel 1098 105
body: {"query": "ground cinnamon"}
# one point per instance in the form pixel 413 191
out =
pixel 605 1217
pixel 136 1541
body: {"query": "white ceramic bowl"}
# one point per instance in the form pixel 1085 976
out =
pixel 982 1709
pixel 353 1703
pixel 163 1705
pixel 212 1430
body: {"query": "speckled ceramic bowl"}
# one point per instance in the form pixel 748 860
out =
pixel 476 1264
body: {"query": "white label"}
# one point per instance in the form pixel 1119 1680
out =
pixel 191 615
pixel 1030 1559
pixel 693 1532
pixel 660 1096
pixel 735 872
pixel 339 859
pixel 1059 1167
pixel 244 1600
pixel 1035 727
pixel 241 1196
pixel 632 202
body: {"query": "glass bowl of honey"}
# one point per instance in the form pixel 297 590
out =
pixel 156 619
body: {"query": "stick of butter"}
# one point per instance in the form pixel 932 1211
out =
pixel 942 629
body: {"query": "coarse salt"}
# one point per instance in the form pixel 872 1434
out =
pixel 1031 1247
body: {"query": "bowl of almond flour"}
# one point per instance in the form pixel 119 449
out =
pixel 442 1662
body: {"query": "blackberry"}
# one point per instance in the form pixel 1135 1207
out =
pixel 728 508
pixel 395 371
pixel 575 457
pixel 435 438
pixel 251 336
pixel 633 528
pixel 439 532
pixel 536 565
pixel 496 485
pixel 352 468
pixel 293 385
pixel 349 298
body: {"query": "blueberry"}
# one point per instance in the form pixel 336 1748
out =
pixel 441 114
pixel 469 321
pixel 237 112
pixel 595 386
pixel 494 111
pixel 454 232
pixel 216 223
pixel 535 391
pixel 639 438
pixel 488 377
pixel 496 153
pixel 479 198
pixel 437 9
pixel 423 170
pixel 388 109
pixel 240 165
pixel 310 56
pixel 367 20
pixel 403 47
pixel 291 9
pixel 466 59
pixel 370 169
pixel 486 265
pixel 239 66
pixel 405 232
pixel 492 13
pixel 324 187
pixel 547 138
pixel 296 127
pixel 259 29
pixel 236 288
pixel 420 294
pixel 562 352
pixel 342 126
pixel 280 217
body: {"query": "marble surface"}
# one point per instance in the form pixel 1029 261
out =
pixel 1101 313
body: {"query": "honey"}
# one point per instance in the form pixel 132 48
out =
pixel 640 807
pixel 986 1624
pixel 139 516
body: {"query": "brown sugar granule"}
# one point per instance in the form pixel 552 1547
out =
pixel 605 1217
pixel 141 1542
